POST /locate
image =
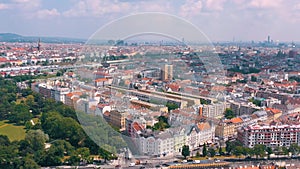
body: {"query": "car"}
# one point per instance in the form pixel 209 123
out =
pixel 197 161
pixel 217 160
pixel 131 164
pixel 165 165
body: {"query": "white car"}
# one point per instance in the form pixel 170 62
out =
pixel 131 164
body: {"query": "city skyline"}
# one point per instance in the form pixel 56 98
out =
pixel 222 20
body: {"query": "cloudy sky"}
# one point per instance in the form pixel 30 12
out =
pixel 220 20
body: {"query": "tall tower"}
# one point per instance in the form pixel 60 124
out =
pixel 269 39
pixel 167 73
pixel 39 45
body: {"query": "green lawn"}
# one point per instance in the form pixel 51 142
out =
pixel 11 131
pixel 3 122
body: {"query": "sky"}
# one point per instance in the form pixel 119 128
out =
pixel 220 20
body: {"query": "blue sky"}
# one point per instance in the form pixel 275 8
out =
pixel 220 20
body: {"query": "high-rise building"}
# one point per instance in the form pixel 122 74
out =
pixel 167 73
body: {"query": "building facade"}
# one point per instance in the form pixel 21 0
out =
pixel 271 136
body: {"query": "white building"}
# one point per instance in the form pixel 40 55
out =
pixel 60 93
pixel 156 144
pixel 199 134
pixel 214 110
pixel 271 136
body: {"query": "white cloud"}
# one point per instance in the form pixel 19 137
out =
pixel 47 13
pixel 4 6
pixel 215 5
pixel 26 4
pixel 265 3
pixel 96 8
pixel 78 10
pixel 191 8
pixel 152 6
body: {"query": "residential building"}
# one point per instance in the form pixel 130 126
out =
pixel 156 144
pixel 199 134
pixel 116 119
pixel 225 130
pixel 269 135
pixel 214 110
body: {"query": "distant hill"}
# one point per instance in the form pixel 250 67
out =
pixel 11 37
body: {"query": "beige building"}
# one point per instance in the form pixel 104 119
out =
pixel 116 118
pixel 167 73
pixel 228 129
pixel 273 114
pixel 225 130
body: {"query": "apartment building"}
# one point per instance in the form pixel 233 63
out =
pixel 156 144
pixel 215 110
pixel 269 135
pixel 200 134
pixel 116 118
pixel 225 130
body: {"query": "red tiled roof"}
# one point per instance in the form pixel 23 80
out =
pixel 3 60
pixel 101 80
pixel 236 120
pixel 136 126
pixel 272 110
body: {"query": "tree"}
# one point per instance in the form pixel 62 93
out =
pixel 65 146
pixel 229 114
pixel 4 141
pixel 20 114
pixel 106 155
pixel 259 150
pixel 172 106
pixel 253 78
pixel 269 151
pixel 247 151
pixel 53 156
pixel 66 128
pixel 255 101
pixel 221 151
pixel 197 154
pixel 294 149
pixel 36 139
pixel 230 145
pixel 185 151
pixel 161 124
pixel 238 151
pixel 29 100
pixel 204 150
pixel 9 158
pixel 285 150
pixel 74 159
pixel 80 155
pixel 84 154
pixel 29 163
pixel 211 152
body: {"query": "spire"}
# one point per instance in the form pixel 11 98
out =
pixel 39 45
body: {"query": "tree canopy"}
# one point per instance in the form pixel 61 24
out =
pixel 185 151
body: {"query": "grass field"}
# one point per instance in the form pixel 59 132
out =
pixel 11 131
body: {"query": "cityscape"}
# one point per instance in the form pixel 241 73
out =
pixel 149 90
